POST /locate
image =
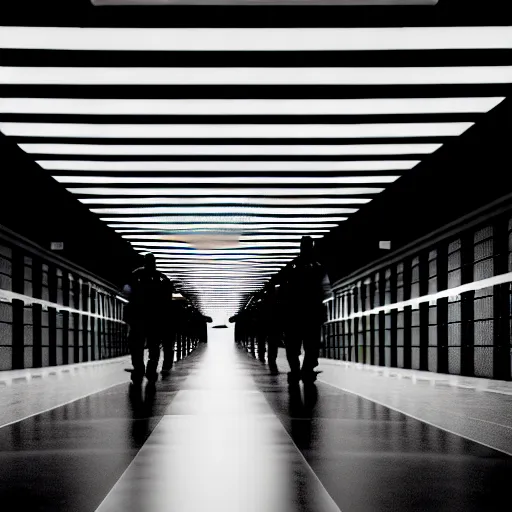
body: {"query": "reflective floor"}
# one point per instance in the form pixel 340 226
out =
pixel 221 434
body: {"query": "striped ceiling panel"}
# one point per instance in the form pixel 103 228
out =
pixel 217 149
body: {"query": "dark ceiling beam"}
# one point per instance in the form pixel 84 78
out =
pixel 83 13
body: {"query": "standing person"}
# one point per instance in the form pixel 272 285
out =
pixel 305 288
pixel 147 316
pixel 273 326
pixel 168 328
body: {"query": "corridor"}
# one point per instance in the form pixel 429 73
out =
pixel 222 434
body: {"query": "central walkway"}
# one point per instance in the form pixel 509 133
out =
pixel 219 447
pixel 221 434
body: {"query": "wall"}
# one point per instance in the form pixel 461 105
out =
pixel 441 304
pixel 52 312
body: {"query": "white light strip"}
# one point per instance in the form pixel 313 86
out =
pixel 260 261
pixel 236 246
pixel 193 267
pixel 265 192
pixel 246 234
pixel 256 39
pixel 242 201
pixel 243 219
pixel 242 166
pixel 240 257
pixel 241 251
pixel 216 150
pixel 235 180
pixel 195 228
pixel 256 76
pixel 226 210
pixel 434 297
pixel 79 106
pixel 234 131
pixel 215 273
pixel 244 238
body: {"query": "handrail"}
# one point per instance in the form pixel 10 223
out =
pixel 468 221
pixel 31 247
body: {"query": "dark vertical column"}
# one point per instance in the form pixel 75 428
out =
pixel 382 319
pixel 52 315
pixel 407 276
pixel 65 318
pixel 364 325
pixel 93 325
pixel 371 318
pixel 502 305
pixel 85 321
pixel 393 317
pixel 37 312
pixel 344 327
pixel 18 309
pixel 356 323
pixel 424 310
pixel 349 325
pixel 442 309
pixel 108 331
pixel 101 327
pixel 76 320
pixel 467 307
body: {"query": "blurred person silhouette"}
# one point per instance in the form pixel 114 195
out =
pixel 273 325
pixel 306 286
pixel 147 313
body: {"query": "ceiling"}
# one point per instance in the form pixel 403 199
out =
pixel 218 149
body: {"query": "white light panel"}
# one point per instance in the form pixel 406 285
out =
pixel 219 107
pixel 256 39
pixel 245 245
pixel 239 250
pixel 230 166
pixel 197 220
pixel 235 131
pixel 256 76
pixel 244 238
pixel 230 150
pixel 226 210
pixel 235 180
pixel 266 192
pixel 243 201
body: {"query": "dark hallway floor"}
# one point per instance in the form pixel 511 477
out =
pixel 221 434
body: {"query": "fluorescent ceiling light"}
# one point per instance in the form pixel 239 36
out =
pixel 244 238
pixel 227 210
pixel 235 180
pixel 214 150
pixel 221 266
pixel 196 270
pixel 265 192
pixel 236 247
pixel 255 76
pixel 248 220
pixel 248 201
pixel 223 166
pixel 234 131
pixel 249 257
pixel 146 3
pixel 239 250
pixel 219 274
pixel 237 227
pixel 79 106
pixel 256 39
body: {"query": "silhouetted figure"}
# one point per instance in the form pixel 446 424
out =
pixel 148 312
pixel 305 288
pixel 273 326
